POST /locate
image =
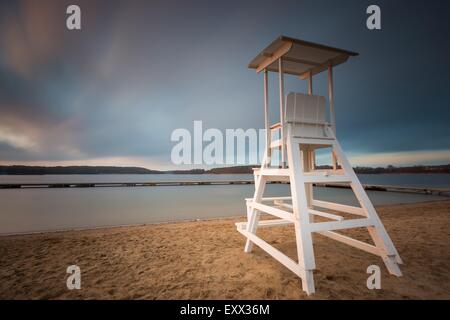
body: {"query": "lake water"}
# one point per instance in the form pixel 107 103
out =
pixel 32 210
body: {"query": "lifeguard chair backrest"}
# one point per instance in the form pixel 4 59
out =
pixel 307 113
pixel 302 108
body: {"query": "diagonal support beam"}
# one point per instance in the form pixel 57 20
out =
pixel 278 255
pixel 352 242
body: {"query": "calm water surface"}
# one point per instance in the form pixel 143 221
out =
pixel 31 210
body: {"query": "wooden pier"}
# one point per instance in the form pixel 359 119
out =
pixel 120 184
pixel 371 187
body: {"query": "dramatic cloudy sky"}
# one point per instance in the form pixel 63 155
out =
pixel 113 92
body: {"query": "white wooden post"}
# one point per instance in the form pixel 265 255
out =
pixel 266 116
pixel 309 156
pixel 332 114
pixel 310 84
pixel 331 97
pixel 282 131
pixel 303 235
pixel 252 224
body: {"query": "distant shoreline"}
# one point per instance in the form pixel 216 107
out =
pixel 74 170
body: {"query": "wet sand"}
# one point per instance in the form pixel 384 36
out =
pixel 205 260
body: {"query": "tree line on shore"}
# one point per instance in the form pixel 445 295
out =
pixel 41 170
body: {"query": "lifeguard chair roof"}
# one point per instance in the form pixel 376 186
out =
pixel 299 57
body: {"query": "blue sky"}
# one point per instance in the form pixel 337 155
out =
pixel 112 93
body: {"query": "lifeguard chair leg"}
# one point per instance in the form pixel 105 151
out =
pixel 378 233
pixel 253 214
pixel 305 250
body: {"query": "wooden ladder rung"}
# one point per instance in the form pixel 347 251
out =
pixel 326 215
pixel 339 225
pixel 265 223
pixel 311 211
pixel 272 172
pixel 275 126
pixel 276 144
pixel 271 210
pixel 339 207
pixel 271 199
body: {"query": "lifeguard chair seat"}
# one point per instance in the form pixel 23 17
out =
pixel 307 115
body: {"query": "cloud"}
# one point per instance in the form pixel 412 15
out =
pixel 31 34
pixel 419 157
pixel 16 140
pixel 139 69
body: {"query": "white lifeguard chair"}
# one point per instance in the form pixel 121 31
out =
pixel 303 129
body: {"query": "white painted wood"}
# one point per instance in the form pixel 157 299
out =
pixel 272 210
pixel 334 160
pixel 266 223
pixel 284 48
pixel 276 144
pixel 305 248
pixel 279 179
pixel 304 57
pixel 305 109
pixel 326 215
pixel 339 225
pixel 273 172
pixel 300 162
pixel 281 203
pixel 277 198
pixel 283 129
pixel 313 141
pixel 306 158
pixel 266 114
pixel 313 159
pixel 310 84
pixel 378 233
pixel 265 162
pixel 351 242
pixel 275 127
pixel 311 211
pixel 308 282
pixel 278 255
pixel 330 171
pixel 265 199
pixel 339 207
pixel 260 185
pixel 391 264
pixel 331 97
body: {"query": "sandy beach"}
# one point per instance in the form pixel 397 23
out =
pixel 205 260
